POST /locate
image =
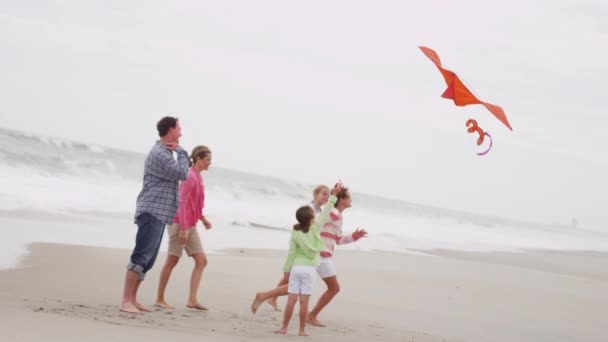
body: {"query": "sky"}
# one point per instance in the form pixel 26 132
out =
pixel 317 91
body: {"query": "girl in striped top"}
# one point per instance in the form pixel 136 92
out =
pixel 332 235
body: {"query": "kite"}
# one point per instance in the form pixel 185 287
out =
pixel 489 147
pixel 474 128
pixel 462 96
pixel 458 92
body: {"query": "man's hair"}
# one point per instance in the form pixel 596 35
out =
pixel 165 124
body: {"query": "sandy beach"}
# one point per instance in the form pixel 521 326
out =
pixel 70 293
pixel 465 135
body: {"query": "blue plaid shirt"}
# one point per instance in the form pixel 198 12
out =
pixel 159 196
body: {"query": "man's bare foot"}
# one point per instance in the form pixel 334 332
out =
pixel 257 301
pixel 141 307
pixel 314 321
pixel 196 305
pixel 302 333
pixel 281 331
pixel 163 304
pixel 273 303
pixel 129 308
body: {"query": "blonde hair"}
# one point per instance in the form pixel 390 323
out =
pixel 199 151
pixel 319 188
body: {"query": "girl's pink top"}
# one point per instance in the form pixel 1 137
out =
pixel 191 200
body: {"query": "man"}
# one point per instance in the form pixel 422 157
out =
pixel 156 206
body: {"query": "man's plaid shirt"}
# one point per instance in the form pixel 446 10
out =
pixel 159 196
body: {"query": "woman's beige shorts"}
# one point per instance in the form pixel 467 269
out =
pixel 193 243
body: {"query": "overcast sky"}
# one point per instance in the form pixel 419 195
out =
pixel 319 90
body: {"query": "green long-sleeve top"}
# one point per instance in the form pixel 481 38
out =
pixel 304 247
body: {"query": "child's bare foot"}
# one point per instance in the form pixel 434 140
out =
pixel 129 308
pixel 302 333
pixel 141 307
pixel 314 321
pixel 273 303
pixel 196 305
pixel 163 304
pixel 281 331
pixel 257 301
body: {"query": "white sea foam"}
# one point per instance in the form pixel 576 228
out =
pixel 67 192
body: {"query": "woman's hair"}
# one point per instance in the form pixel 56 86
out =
pixel 304 215
pixel 199 151
pixel 319 188
pixel 342 194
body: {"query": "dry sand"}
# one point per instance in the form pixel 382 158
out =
pixel 71 293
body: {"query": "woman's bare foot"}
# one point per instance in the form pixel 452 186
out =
pixel 314 321
pixel 129 308
pixel 273 303
pixel 142 307
pixel 163 304
pixel 281 331
pixel 196 305
pixel 302 333
pixel 257 301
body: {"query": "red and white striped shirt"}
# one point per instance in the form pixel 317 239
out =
pixel 331 234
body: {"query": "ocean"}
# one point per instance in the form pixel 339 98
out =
pixel 56 190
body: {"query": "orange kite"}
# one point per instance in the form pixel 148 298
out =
pixel 458 92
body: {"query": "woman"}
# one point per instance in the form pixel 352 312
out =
pixel 183 234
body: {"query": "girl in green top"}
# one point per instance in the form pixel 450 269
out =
pixel 303 257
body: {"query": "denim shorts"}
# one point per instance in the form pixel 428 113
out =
pixel 147 243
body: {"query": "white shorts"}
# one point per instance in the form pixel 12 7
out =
pixel 326 268
pixel 301 280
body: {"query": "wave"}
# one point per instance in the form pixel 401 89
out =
pixel 60 176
